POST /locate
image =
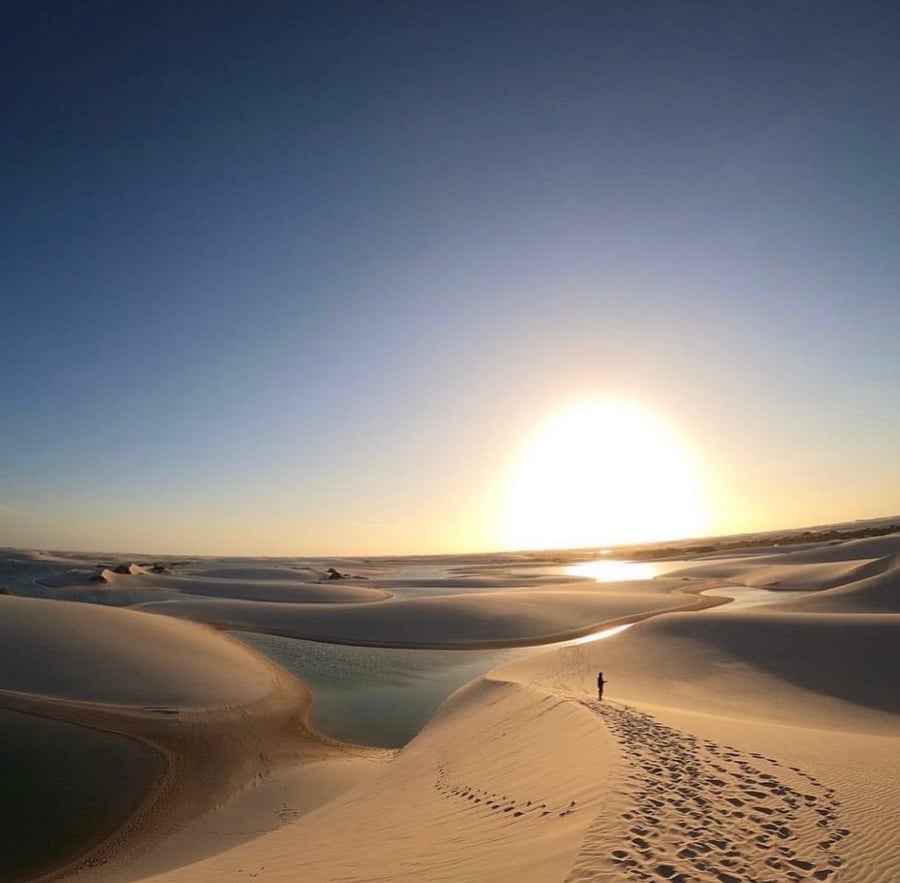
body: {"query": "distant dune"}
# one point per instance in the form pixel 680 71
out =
pixel 487 619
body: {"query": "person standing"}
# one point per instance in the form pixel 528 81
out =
pixel 600 683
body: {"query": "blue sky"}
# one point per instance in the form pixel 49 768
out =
pixel 299 278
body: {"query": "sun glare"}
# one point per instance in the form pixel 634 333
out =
pixel 602 472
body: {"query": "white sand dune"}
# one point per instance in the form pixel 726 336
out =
pixel 822 567
pixel 485 619
pixel 452 807
pixel 218 715
pixel 733 745
pixel 849 550
pixel 538 782
pixel 105 655
pixel 265 585
pixel 879 593
pixel 817 669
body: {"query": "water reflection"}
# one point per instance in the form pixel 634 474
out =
pixel 610 571
pixel 599 636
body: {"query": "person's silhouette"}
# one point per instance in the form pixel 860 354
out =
pixel 600 683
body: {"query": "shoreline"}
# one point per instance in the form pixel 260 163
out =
pixel 207 751
pixel 204 761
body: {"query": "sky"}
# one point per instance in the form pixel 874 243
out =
pixel 304 278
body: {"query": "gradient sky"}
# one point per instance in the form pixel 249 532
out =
pixel 300 278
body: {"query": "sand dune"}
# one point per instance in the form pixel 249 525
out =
pixel 822 567
pixel 524 775
pixel 800 669
pixel 850 550
pixel 275 801
pixel 100 654
pixel 214 714
pixel 879 593
pixel 266 585
pixel 450 807
pixel 773 572
pixel 759 745
pixel 733 745
pixel 486 619
pixel 107 656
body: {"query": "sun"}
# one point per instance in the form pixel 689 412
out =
pixel 602 472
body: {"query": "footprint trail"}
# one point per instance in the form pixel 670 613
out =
pixel 708 812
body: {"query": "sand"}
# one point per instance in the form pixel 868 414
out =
pixel 486 619
pixel 733 744
pixel 259 584
pixel 99 654
pixel 214 715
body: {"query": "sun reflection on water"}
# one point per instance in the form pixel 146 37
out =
pixel 608 571
pixel 599 636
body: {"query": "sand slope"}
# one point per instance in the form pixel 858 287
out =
pixel 756 665
pixel 733 746
pixel 495 807
pixel 879 593
pixel 217 714
pixel 101 654
pixel 525 776
pixel 816 567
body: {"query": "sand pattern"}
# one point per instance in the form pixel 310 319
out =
pixel 501 804
pixel 708 812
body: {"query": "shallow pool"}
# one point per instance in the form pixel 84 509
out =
pixel 375 695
